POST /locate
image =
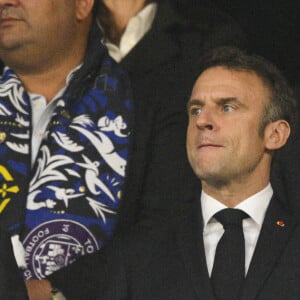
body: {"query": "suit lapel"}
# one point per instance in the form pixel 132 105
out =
pixel 190 242
pixel 158 45
pixel 275 233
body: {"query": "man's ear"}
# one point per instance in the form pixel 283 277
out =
pixel 277 134
pixel 84 8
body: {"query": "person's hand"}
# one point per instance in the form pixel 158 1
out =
pixel 38 289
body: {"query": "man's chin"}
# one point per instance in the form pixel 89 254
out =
pixel 213 179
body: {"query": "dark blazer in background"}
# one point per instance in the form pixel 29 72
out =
pixel 10 275
pixel 168 263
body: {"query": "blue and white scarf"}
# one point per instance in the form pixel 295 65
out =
pixel 73 192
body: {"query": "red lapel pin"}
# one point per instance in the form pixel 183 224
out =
pixel 280 223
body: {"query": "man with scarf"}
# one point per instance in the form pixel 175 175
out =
pixel 65 128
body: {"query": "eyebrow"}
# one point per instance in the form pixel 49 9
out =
pixel 193 102
pixel 230 100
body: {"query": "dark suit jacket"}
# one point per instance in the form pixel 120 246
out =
pixel 168 262
pixel 10 275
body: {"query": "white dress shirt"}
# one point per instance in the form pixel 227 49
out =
pixel 41 115
pixel 255 206
pixel 136 28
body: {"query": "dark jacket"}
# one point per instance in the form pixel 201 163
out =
pixel 12 286
pixel 168 262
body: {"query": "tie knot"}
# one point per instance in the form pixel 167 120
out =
pixel 230 216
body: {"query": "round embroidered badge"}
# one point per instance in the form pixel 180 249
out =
pixel 56 244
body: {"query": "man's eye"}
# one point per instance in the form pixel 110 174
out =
pixel 195 111
pixel 227 108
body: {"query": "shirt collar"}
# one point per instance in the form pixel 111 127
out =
pixel 255 206
pixel 143 20
pixel 136 28
pixel 70 75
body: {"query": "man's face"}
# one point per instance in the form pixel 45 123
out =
pixel 37 23
pixel 225 113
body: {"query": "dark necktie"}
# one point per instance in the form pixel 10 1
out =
pixel 229 265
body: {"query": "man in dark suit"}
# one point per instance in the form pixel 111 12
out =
pixel 241 112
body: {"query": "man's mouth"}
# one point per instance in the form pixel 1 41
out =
pixel 8 21
pixel 209 145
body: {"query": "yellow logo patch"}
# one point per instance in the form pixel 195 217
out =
pixel 6 189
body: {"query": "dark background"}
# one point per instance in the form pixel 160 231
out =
pixel 272 28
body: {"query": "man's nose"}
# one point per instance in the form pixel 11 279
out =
pixel 205 120
pixel 4 3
